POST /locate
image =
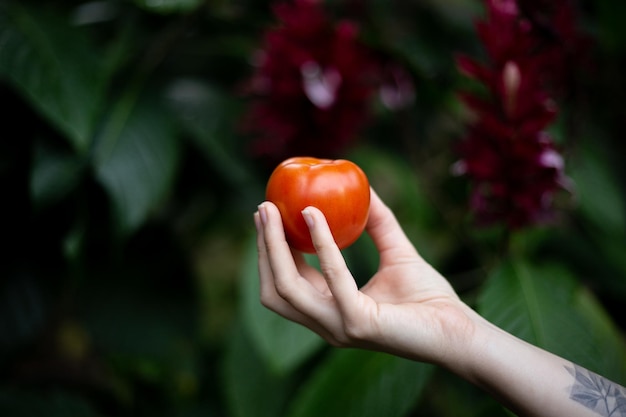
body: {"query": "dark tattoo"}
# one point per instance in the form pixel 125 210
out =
pixel 597 393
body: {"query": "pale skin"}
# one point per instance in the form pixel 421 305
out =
pixel 408 309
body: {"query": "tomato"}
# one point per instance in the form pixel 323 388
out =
pixel 339 188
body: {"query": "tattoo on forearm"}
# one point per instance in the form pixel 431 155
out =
pixel 597 393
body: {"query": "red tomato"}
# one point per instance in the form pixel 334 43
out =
pixel 339 188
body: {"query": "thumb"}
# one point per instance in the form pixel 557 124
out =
pixel 386 232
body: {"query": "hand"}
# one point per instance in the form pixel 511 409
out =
pixel 407 308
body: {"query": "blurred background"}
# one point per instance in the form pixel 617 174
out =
pixel 136 140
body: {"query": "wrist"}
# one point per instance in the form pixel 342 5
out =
pixel 461 335
pixel 523 377
pixel 467 346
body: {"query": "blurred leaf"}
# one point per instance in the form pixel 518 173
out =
pixel 54 66
pixel 206 114
pixel 545 306
pixel 449 395
pixel 611 359
pixel 54 403
pixel 458 12
pixel 611 30
pixel 145 334
pixel 22 311
pixel 282 343
pixel 252 389
pixel 217 265
pixel 398 185
pixel 137 159
pixel 168 6
pixel 362 259
pixel 362 383
pixel 602 206
pixel 136 323
pixel 54 175
pixel 599 197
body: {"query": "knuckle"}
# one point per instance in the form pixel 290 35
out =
pixel 360 329
pixel 339 339
pixel 332 269
pixel 284 290
pixel 271 303
pixel 347 335
pixel 325 246
pixel 267 298
pixel 273 248
pixel 334 342
pixel 354 332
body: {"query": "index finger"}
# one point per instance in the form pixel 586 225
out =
pixel 289 284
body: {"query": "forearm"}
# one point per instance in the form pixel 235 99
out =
pixel 531 381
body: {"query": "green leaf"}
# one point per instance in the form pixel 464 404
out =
pixel 362 383
pixel 449 395
pixel 252 389
pixel 23 312
pixel 137 322
pixel 143 334
pixel 51 403
pixel 205 113
pixel 54 175
pixel 168 6
pixel 602 207
pixel 609 346
pixel 54 67
pixel 137 160
pixel 610 26
pixel 545 306
pixel 599 196
pixel 283 344
pixel 399 186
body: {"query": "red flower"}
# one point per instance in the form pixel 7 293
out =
pixel 564 49
pixel 511 161
pixel 311 86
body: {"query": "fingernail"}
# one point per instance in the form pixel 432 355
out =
pixel 257 221
pixel 308 218
pixel 263 214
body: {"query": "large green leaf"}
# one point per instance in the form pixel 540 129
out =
pixel 599 196
pixel 283 344
pixel 54 67
pixel 206 113
pixel 602 206
pixel 137 159
pixel 252 389
pixel 449 395
pixel 545 306
pixel 362 383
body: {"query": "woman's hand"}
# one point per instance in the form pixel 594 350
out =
pixel 407 308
